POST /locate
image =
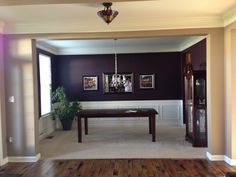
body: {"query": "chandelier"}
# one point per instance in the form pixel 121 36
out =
pixel 107 14
pixel 117 79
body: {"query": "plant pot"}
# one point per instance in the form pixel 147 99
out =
pixel 66 124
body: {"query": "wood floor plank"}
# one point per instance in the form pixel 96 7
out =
pixel 120 168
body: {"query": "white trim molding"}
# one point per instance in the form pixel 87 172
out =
pixel 4 161
pixel 229 17
pixel 25 158
pixel 230 161
pixel 46 126
pixel 214 157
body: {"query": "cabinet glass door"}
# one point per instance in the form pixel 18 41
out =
pixel 189 105
pixel 201 108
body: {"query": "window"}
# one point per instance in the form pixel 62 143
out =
pixel 45 83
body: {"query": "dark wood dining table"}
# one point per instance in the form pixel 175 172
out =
pixel 103 113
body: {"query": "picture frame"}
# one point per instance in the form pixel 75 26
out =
pixel 147 81
pixel 90 83
pixel 126 83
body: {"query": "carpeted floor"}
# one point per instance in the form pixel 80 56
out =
pixel 109 139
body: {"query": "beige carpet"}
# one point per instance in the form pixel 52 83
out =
pixel 109 139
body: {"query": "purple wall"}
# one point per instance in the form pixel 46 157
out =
pixel 198 55
pixel 69 70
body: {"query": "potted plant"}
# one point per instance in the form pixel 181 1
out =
pixel 64 109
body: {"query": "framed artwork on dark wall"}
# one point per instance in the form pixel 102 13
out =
pixel 118 83
pixel 90 82
pixel 147 81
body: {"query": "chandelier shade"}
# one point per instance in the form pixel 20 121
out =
pixel 107 14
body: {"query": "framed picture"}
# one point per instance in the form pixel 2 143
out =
pixel 120 83
pixel 90 82
pixel 147 81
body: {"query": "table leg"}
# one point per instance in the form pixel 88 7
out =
pixel 149 124
pixel 86 125
pixel 153 121
pixel 79 130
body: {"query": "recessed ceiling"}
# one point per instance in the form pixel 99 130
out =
pixel 129 45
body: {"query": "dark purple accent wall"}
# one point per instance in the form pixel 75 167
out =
pixel 198 55
pixel 70 69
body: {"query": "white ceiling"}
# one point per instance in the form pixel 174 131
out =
pixel 133 15
pixel 80 16
pixel 129 45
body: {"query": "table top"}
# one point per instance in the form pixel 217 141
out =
pixel 117 112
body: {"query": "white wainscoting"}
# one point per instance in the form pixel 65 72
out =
pixel 46 126
pixel 170 111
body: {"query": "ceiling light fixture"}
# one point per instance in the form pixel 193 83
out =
pixel 107 14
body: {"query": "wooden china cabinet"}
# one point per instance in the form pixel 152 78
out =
pixel 195 106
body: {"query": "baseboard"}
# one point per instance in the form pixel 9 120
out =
pixel 215 157
pixel 230 161
pixel 46 126
pixel 45 134
pixel 25 158
pixel 4 161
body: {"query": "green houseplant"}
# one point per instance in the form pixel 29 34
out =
pixel 64 109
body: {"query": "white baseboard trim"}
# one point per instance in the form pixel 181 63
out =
pixel 25 158
pixel 214 157
pixel 45 134
pixel 4 161
pixel 46 126
pixel 230 161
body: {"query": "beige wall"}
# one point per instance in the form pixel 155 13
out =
pixel 233 121
pixel 2 103
pixel 230 90
pixel 21 82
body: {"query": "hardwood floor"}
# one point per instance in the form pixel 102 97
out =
pixel 120 168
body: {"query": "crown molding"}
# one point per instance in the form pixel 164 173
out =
pixel 190 42
pixel 120 50
pixel 229 17
pixel 46 47
pixel 106 50
pixel 151 24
